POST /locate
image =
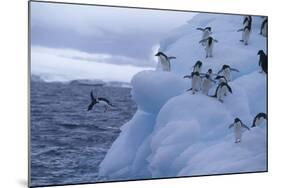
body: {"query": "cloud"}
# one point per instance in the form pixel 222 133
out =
pixel 95 29
pixel 66 64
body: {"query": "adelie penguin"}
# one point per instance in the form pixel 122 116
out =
pixel 99 100
pixel 195 81
pixel 206 32
pixel 197 66
pixel 165 61
pixel 238 126
pixel 226 71
pixel 245 34
pixel 262 61
pixel 209 45
pixel 221 91
pixel 207 83
pixel 263 28
pixel 259 119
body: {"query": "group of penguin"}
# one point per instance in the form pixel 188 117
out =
pixel 238 125
pixel 205 81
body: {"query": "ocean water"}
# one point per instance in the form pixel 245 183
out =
pixel 68 142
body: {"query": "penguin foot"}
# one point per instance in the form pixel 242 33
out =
pixel 221 100
pixel 241 40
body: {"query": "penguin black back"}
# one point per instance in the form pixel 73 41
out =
pixel 263 60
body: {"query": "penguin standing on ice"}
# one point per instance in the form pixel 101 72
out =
pixel 99 100
pixel 238 126
pixel 164 61
pixel 221 91
pixel 263 29
pixel 262 61
pixel 207 83
pixel 209 45
pixel 245 34
pixel 197 66
pixel 195 81
pixel 226 71
pixel 259 119
pixel 206 32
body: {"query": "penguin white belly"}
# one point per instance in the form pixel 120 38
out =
pixel 164 63
pixel 206 86
pixel 238 132
pixel 197 69
pixel 103 104
pixel 259 121
pixel 196 83
pixel 246 36
pixel 205 35
pixel 227 75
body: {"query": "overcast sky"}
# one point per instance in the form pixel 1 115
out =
pixel 96 35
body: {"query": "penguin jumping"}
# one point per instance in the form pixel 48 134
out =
pixel 245 34
pixel 206 32
pixel 259 119
pixel 238 126
pixel 262 61
pixel 99 100
pixel 164 61
pixel 226 70
pixel 195 81
pixel 221 91
pixel 209 45
pixel 263 28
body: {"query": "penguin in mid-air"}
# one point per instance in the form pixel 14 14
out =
pixel 165 61
pixel 259 119
pixel 197 66
pixel 221 91
pixel 263 29
pixel 245 34
pixel 238 125
pixel 206 32
pixel 99 100
pixel 209 45
pixel 226 71
pixel 195 81
pixel 262 61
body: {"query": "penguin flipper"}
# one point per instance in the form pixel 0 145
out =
pixel 90 107
pixel 187 76
pixel 92 95
pixel 245 126
pixel 229 88
pixel 231 125
pixel 236 70
pixel 200 29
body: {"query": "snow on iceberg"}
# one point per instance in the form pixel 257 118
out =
pixel 175 133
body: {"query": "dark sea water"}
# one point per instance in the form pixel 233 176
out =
pixel 68 142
